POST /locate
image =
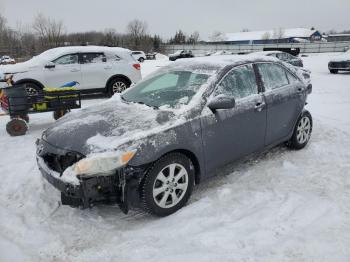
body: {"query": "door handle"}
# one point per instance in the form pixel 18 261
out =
pixel 108 67
pixel 74 70
pixel 259 106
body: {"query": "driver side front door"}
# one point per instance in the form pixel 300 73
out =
pixel 229 134
pixel 67 69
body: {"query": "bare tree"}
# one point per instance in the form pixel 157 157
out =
pixel 50 31
pixel 194 38
pixel 278 34
pixel 217 36
pixel 136 29
pixel 266 36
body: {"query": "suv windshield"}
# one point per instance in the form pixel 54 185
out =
pixel 172 89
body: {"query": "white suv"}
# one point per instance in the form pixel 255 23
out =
pixel 95 68
pixel 139 56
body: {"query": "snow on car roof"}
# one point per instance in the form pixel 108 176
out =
pixel 218 62
pixel 257 35
pixel 267 52
pixel 78 49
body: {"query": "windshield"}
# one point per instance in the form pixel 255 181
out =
pixel 171 89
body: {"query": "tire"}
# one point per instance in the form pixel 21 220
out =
pixel 160 185
pixel 25 118
pixel 141 59
pixel 117 85
pixel 59 113
pixel 302 131
pixel 16 127
pixel 32 89
pixel 333 71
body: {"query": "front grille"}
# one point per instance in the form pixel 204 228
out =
pixel 59 163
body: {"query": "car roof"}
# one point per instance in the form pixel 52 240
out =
pixel 60 51
pixel 219 62
pixel 81 49
pixel 268 52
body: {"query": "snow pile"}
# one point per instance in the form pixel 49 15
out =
pixel 281 205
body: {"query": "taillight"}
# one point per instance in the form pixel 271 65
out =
pixel 137 66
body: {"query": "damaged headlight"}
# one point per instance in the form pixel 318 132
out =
pixel 102 163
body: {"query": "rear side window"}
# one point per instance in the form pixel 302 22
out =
pixel 273 76
pixel 89 58
pixel 238 83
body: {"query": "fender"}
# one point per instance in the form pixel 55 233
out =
pixel 29 80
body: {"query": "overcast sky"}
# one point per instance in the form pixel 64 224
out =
pixel 165 17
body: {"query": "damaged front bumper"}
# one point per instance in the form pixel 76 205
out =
pixel 120 188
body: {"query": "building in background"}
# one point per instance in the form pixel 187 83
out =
pixel 293 35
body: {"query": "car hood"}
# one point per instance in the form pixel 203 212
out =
pixel 341 58
pixel 107 126
pixel 19 67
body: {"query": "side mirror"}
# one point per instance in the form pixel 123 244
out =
pixel 50 65
pixel 104 59
pixel 221 102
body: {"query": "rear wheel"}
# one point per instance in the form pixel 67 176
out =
pixel 117 85
pixel 16 127
pixel 168 185
pixel 333 71
pixel 141 59
pixel 302 132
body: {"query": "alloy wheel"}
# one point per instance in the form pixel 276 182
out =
pixel 303 130
pixel 170 185
pixel 118 87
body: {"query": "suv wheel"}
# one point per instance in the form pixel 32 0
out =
pixel 302 131
pixel 117 85
pixel 32 89
pixel 168 185
pixel 333 71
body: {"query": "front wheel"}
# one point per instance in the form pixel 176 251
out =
pixel 302 131
pixel 141 59
pixel 32 89
pixel 168 185
pixel 333 71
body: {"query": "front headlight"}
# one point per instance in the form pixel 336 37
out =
pixel 102 163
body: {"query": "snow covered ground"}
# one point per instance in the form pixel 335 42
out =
pixel 279 206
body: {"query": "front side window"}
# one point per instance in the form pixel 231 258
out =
pixel 273 76
pixel 67 60
pixel 167 89
pixel 238 83
pixel 88 58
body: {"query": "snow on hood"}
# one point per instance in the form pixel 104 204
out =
pixel 107 126
pixel 20 67
pixel 342 57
